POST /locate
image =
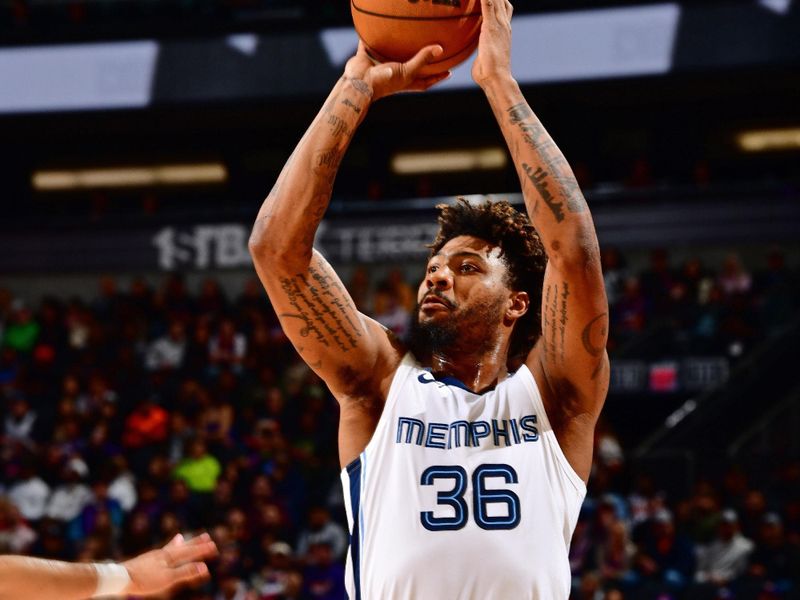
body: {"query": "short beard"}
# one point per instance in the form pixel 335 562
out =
pixel 429 338
pixel 426 339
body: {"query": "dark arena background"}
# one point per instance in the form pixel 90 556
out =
pixel 146 386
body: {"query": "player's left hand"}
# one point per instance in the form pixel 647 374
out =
pixel 394 77
pixel 179 562
pixel 494 43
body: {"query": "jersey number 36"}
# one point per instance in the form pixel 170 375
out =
pixel 482 498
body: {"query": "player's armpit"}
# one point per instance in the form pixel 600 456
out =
pixel 327 330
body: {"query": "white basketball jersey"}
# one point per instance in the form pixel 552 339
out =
pixel 460 495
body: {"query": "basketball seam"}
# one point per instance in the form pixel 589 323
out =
pixel 405 18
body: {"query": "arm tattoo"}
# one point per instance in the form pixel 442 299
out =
pixel 539 180
pixel 520 112
pixel 555 165
pixel 322 304
pixel 339 126
pixel 594 331
pixel 352 106
pixel 327 161
pixel 360 86
pixel 562 323
pixel 593 338
pixel 550 324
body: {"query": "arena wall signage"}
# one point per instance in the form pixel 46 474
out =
pixel 652 39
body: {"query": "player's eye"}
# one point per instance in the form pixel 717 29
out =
pixel 467 267
pixel 432 268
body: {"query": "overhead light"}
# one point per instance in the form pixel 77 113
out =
pixel 766 140
pixel 448 161
pixel 116 177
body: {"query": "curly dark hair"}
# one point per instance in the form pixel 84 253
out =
pixel 501 224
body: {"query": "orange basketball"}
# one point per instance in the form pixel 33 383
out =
pixel 395 30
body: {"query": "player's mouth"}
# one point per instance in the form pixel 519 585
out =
pixel 432 301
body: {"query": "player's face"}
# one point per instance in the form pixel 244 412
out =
pixel 464 288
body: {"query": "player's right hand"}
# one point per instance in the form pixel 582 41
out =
pixel 390 78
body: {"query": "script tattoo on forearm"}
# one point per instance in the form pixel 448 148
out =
pixel 320 302
pixel 555 165
pixel 326 162
pixel 351 106
pixel 339 126
pixel 593 338
pixel 538 178
pixel 562 322
pixel 550 324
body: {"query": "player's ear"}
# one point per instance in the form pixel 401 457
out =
pixel 518 304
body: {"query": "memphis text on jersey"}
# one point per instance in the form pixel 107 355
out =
pixel 497 432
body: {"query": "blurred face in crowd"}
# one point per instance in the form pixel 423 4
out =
pixel 462 298
pixel 177 331
pixel 727 529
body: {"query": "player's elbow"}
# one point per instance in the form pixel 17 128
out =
pixel 271 250
pixel 581 255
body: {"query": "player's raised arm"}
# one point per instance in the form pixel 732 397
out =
pixel 345 348
pixel 571 354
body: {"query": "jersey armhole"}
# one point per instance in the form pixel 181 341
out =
pixel 408 362
pixel 536 398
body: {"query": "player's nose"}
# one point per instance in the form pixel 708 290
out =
pixel 441 279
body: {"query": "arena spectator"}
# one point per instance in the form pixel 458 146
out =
pixel 227 348
pixel 775 562
pixel 146 425
pixel 198 469
pixel 723 560
pixel 630 313
pixel 734 279
pixel 389 310
pixel 665 560
pixel 16 536
pixel 72 495
pixel 322 530
pixel 30 494
pixel 614 273
pixel 166 353
pixel 22 330
pixel 22 423
pixel 323 576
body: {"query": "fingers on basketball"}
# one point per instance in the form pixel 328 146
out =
pixel 425 56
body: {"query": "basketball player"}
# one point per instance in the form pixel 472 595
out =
pixel 179 562
pixel 466 449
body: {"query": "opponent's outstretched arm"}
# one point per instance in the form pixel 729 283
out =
pixel 571 353
pixel 179 562
pixel 314 308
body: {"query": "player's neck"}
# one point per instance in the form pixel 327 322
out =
pixel 478 371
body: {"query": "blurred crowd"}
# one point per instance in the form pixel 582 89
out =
pixel 148 411
pixel 703 311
